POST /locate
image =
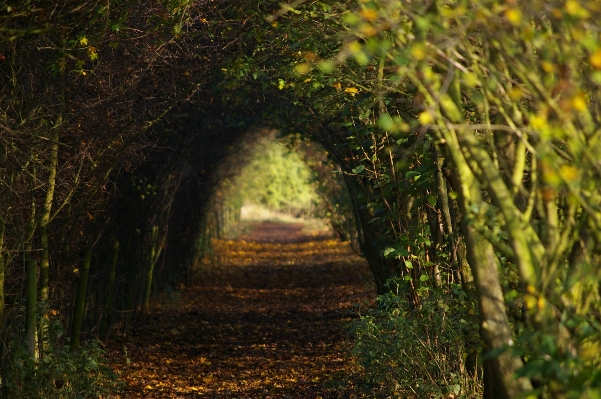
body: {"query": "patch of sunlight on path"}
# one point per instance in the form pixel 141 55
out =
pixel 265 319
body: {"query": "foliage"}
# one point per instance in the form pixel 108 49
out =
pixel 504 97
pixel 277 178
pixel 418 353
pixel 62 374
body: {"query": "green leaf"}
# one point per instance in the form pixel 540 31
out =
pixel 385 122
pixel 456 389
pixel 424 277
pixel 388 251
pixel 432 200
pixel 412 174
pixel 359 169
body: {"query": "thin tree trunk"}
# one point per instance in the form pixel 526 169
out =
pixel 364 238
pixel 46 214
pixel 4 257
pixel 31 272
pixel 31 304
pixel 2 272
pixel 499 381
pixel 108 311
pixel 155 253
pixel 80 300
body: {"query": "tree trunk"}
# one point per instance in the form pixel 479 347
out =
pixel 2 271
pixel 80 300
pixel 108 310
pixel 31 304
pixel 155 253
pixel 31 272
pixel 499 381
pixel 43 227
pixel 366 241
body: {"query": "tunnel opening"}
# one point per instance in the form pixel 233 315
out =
pixel 281 179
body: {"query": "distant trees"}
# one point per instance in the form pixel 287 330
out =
pixel 277 178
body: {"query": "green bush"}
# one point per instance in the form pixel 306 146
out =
pixel 422 352
pixel 61 374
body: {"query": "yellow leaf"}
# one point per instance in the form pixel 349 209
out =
pixel 471 79
pixel 515 93
pixel 531 289
pixel 310 56
pixel 595 59
pixel 367 30
pixel 548 66
pixel 369 14
pixel 530 301
pixel 92 53
pixel 541 303
pixel 514 16
pixel 579 103
pixel 418 52
pixel 589 350
pixel 538 122
pixel 568 173
pixel 353 47
pixel 303 68
pixel 425 118
pixel 557 13
pixel 552 178
pixel 83 41
pixel 351 90
pixel 574 8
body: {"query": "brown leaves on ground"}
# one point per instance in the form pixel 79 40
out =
pixel 267 319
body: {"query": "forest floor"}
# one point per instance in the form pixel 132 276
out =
pixel 266 318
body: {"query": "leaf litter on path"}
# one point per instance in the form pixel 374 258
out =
pixel 265 319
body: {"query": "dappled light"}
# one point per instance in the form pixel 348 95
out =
pixel 195 194
pixel 265 318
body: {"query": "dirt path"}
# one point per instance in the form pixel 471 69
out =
pixel 267 321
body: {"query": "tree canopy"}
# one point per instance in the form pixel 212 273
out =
pixel 466 134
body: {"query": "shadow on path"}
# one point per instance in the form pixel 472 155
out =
pixel 267 319
pixel 268 232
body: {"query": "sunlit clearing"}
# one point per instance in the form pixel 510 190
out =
pixel 277 185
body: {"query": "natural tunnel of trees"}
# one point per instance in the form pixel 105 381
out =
pixel 454 143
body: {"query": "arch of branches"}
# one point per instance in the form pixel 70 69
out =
pixel 465 133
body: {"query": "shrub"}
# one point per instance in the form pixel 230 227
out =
pixel 421 352
pixel 61 374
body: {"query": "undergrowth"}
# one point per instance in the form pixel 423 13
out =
pixel 419 353
pixel 61 373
